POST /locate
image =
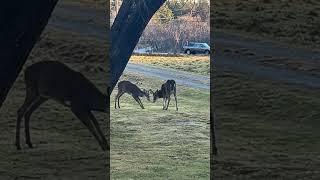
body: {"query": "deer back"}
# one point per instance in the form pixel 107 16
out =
pixel 168 86
pixel 130 88
pixel 57 81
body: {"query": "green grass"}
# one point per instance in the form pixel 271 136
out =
pixel 265 129
pixel 193 64
pixel 152 143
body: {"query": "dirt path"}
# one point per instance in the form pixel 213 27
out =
pixel 91 22
pixel 182 78
pixel 241 65
pixel 248 52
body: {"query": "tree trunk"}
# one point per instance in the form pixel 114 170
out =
pixel 213 147
pixel 23 21
pixel 213 134
pixel 213 120
pixel 132 18
pixel 21 24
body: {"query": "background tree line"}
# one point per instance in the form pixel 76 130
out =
pixel 175 23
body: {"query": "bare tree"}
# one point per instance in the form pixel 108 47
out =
pixel 170 37
pixel 177 37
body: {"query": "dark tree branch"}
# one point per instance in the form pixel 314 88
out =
pixel 213 120
pixel 126 30
pixel 21 23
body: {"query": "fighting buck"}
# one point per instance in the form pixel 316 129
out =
pixel 165 92
pixel 133 90
pixel 53 80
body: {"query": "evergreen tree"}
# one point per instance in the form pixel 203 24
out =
pixel 164 14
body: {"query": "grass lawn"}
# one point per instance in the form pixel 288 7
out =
pixel 265 129
pixel 152 143
pixel 193 64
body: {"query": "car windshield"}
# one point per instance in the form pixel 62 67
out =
pixel 206 45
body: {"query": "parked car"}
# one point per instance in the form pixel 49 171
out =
pixel 196 48
pixel 145 50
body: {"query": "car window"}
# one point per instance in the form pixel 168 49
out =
pixel 199 45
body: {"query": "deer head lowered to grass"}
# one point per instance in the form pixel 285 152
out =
pixel 168 88
pixel 133 90
pixel 53 80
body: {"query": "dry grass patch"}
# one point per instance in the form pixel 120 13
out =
pixel 192 64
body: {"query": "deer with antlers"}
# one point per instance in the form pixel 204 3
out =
pixel 168 88
pixel 132 89
pixel 53 80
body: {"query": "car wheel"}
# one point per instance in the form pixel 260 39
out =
pixel 207 52
pixel 188 52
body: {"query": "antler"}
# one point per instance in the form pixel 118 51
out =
pixel 144 90
pixel 150 91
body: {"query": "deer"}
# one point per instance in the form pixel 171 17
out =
pixel 168 88
pixel 56 81
pixel 132 89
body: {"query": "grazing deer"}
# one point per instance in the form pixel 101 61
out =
pixel 165 92
pixel 133 90
pixel 53 80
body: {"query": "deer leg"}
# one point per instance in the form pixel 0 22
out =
pixel 141 105
pixel 175 98
pixel 97 127
pixel 119 99
pixel 115 101
pixel 30 98
pixel 85 118
pixel 164 103
pixel 168 103
pixel 138 101
pixel 27 116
